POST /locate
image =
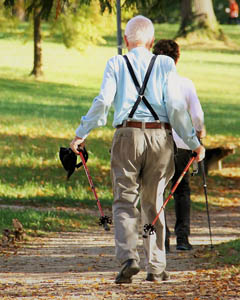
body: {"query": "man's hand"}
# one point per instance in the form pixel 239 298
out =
pixel 200 153
pixel 76 143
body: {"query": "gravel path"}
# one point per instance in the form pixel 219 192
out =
pixel 82 266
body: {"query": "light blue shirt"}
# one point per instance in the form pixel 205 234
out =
pixel 163 92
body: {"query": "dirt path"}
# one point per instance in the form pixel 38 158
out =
pixel 82 266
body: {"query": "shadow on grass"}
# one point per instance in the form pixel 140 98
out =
pixel 45 89
pixel 228 64
pixel 200 47
pixel 217 113
pixel 56 201
pixel 47 186
pixel 46 101
pixel 84 253
pixel 47 148
pixel 32 174
pixel 195 206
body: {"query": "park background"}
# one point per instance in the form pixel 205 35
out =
pixel 39 114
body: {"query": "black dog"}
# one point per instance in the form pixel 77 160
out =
pixel 213 157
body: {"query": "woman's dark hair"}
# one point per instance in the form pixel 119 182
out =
pixel 167 47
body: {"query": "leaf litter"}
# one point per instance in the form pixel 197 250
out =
pixel 81 265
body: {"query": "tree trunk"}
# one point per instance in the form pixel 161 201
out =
pixel 204 14
pixel 19 10
pixel 37 68
pixel 198 20
pixel 186 15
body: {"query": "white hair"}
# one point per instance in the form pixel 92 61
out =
pixel 139 30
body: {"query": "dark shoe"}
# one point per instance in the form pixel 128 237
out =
pixel 164 276
pixel 183 243
pixel 167 245
pixel 129 268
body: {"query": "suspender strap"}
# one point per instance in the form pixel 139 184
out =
pixel 130 69
pixel 141 90
pixel 154 114
pixel 149 70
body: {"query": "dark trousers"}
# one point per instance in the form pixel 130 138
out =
pixel 181 195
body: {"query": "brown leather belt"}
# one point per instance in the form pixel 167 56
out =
pixel 147 125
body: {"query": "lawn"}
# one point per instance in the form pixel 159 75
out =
pixel 39 116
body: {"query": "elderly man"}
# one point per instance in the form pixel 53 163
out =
pixel 147 100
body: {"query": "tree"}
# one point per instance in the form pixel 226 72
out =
pixel 198 19
pixel 45 9
pixel 186 15
pixel 40 9
pixel 37 37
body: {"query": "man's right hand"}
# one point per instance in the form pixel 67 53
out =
pixel 200 153
pixel 76 143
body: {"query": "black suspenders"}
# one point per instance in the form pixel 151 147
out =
pixel 141 90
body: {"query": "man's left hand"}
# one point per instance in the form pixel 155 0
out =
pixel 77 143
pixel 200 153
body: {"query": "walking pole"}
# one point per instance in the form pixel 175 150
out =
pixel 149 228
pixel 206 199
pixel 103 220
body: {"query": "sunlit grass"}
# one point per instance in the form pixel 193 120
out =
pixel 35 221
pixel 37 117
pixel 60 65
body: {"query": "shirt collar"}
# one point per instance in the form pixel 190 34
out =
pixel 140 49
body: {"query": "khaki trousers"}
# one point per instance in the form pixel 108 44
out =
pixel 142 163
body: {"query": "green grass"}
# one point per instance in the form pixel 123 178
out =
pixel 37 117
pixel 215 75
pixel 229 253
pixel 226 253
pixel 232 32
pixel 36 221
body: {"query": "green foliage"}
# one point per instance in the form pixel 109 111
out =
pixel 44 5
pixel 161 11
pixel 220 12
pixel 78 25
pixel 84 26
pixel 169 10
pixel 7 22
